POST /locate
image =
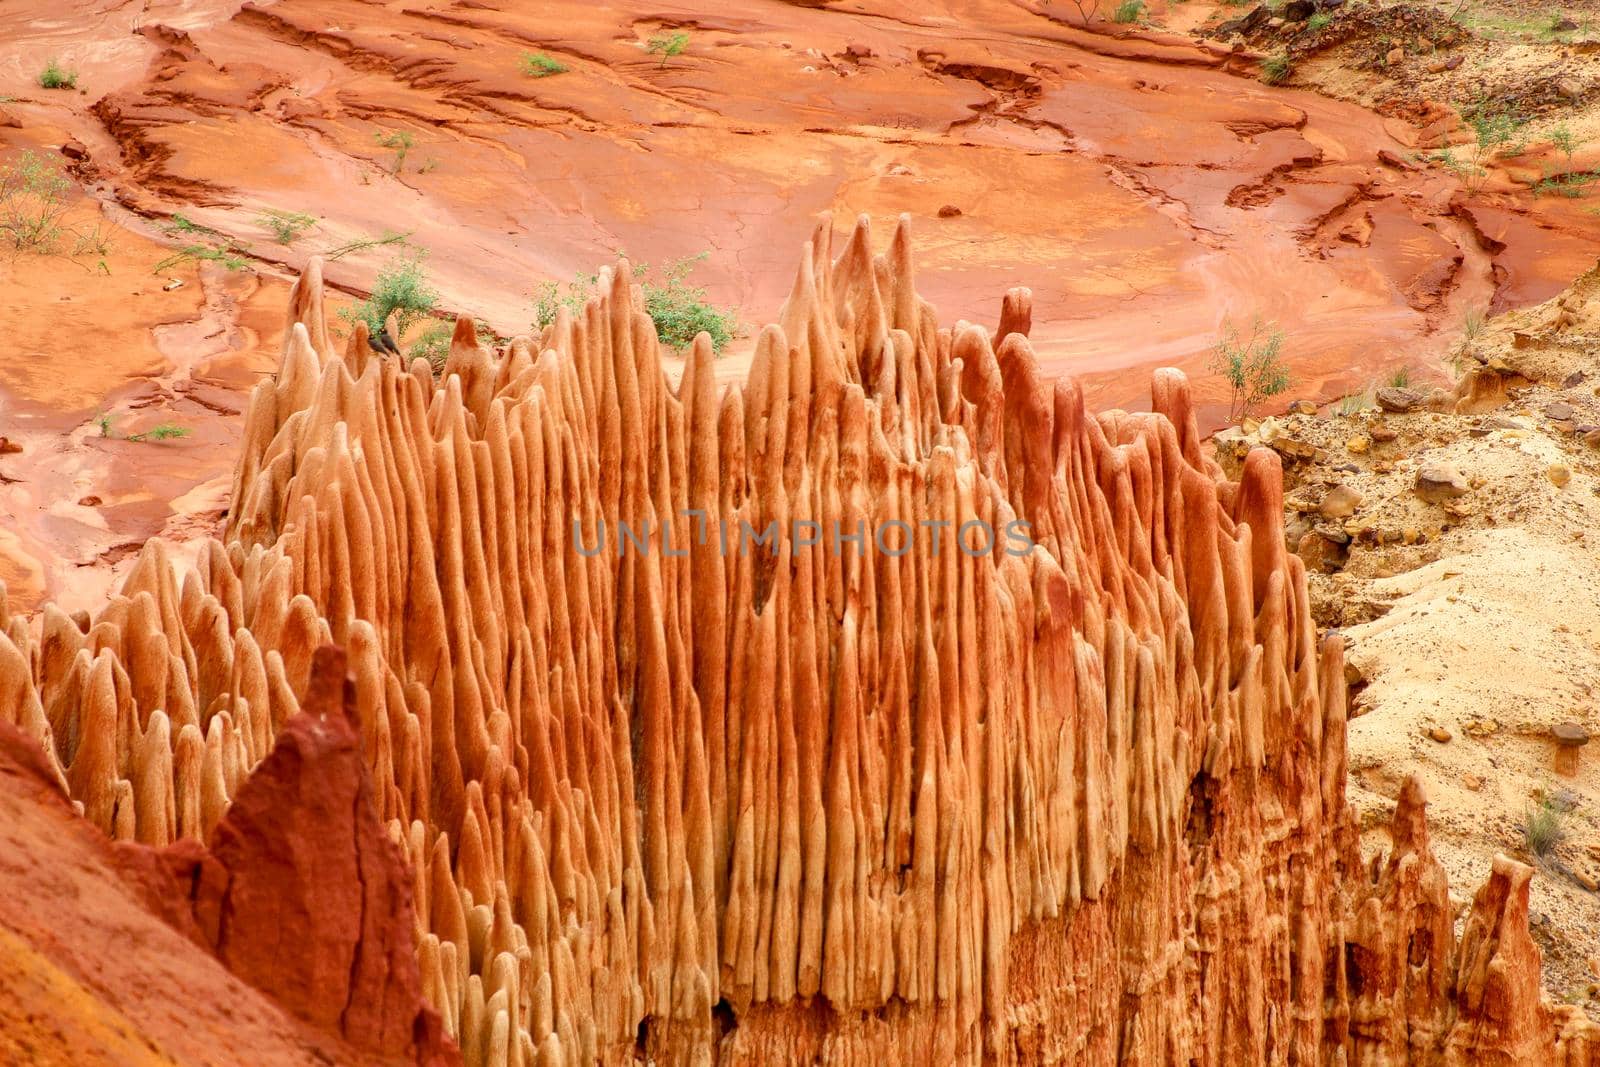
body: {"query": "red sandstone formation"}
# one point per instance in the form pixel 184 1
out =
pixel 1080 805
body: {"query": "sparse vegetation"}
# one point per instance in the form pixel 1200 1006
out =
pixel 397 141
pixel 1318 21
pixel 33 194
pixel 286 226
pixel 1353 403
pixel 55 76
pixel 666 45
pixel 1544 827
pixel 1472 325
pixel 679 309
pixel 432 344
pixel 1567 181
pixel 204 245
pixel 1275 69
pixel 402 290
pixel 1399 378
pixel 539 65
pixel 164 431
pixel 361 244
pixel 1129 11
pixel 1088 10
pixel 1252 366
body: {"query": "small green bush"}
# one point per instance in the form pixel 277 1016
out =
pixel 678 308
pixel 667 45
pixel 1399 378
pixel 1128 11
pixel 402 290
pixel 1275 70
pixel 397 141
pixel 539 65
pixel 286 225
pixel 433 344
pixel 55 76
pixel 1252 366
pixel 1544 827
pixel 33 200
pixel 203 245
pixel 1318 21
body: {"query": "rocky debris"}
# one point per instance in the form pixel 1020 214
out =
pixel 1438 483
pixel 949 211
pixel 1559 474
pixel 1299 10
pixel 1303 407
pixel 692 806
pixel 1560 410
pixel 1398 400
pixel 1340 502
pixel 1246 24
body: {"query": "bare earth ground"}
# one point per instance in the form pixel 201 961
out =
pixel 1473 625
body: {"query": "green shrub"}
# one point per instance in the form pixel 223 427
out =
pixel 539 65
pixel 1318 21
pixel 1129 11
pixel 1251 365
pixel 165 431
pixel 55 76
pixel 678 309
pixel 286 225
pixel 204 245
pixel 397 141
pixel 33 200
pixel 361 244
pixel 402 290
pixel 1543 827
pixel 1275 69
pixel 667 45
pixel 433 344
pixel 1399 378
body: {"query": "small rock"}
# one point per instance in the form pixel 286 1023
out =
pixel 949 211
pixel 1438 65
pixel 172 283
pixel 1396 400
pixel 1583 879
pixel 1439 482
pixel 1398 162
pixel 1561 411
pixel 9 447
pixel 1382 435
pixel 1440 734
pixel 1592 438
pixel 1570 89
pixel 90 501
pixel 7 119
pixel 1573 380
pixel 1303 407
pixel 1562 24
pixel 1572 734
pixel 1473 782
pixel 1559 474
pixel 1275 23
pixel 1358 445
pixel 1340 502
pixel 1396 55
pixel 1348 468
pixel 74 149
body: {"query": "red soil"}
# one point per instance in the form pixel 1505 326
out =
pixel 1147 188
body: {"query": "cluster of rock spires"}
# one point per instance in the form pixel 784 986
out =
pixel 830 804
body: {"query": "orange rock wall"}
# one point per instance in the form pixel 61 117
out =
pixel 1083 805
